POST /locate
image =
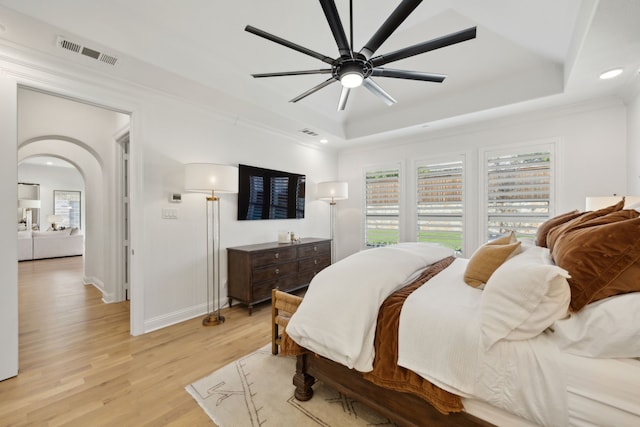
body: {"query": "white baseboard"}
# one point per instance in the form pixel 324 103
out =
pixel 99 285
pixel 169 319
pixel 178 316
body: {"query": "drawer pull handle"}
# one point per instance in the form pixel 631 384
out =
pixel 277 271
pixel 315 248
pixel 277 255
pixel 315 261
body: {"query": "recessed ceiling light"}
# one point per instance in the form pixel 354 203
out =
pixel 49 163
pixel 324 141
pixel 611 73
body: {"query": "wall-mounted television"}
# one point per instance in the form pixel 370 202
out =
pixel 269 194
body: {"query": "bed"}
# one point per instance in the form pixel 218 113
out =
pixel 518 334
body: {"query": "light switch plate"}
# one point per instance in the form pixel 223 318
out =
pixel 168 213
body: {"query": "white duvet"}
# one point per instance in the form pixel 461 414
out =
pixel 340 324
pixel 439 338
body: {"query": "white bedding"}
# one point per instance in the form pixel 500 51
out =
pixel 515 382
pixel 341 322
pixel 444 315
pixel 600 392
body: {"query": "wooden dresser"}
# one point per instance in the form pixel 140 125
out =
pixel 256 269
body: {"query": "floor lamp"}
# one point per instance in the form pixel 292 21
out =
pixel 332 191
pixel 212 179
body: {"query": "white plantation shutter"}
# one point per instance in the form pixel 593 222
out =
pixel 518 192
pixel 382 207
pixel 440 203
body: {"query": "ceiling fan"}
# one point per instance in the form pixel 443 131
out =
pixel 352 68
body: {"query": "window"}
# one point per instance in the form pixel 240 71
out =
pixel 519 190
pixel 382 207
pixel 67 205
pixel 440 203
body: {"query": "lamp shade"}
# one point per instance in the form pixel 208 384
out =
pixel 54 218
pixel 598 202
pixel 333 190
pixel 632 202
pixel 28 204
pixel 208 177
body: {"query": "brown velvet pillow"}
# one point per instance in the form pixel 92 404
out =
pixel 603 259
pixel 488 258
pixel 606 219
pixel 558 230
pixel 545 227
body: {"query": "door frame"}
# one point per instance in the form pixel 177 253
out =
pixel 93 91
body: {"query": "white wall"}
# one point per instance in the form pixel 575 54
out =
pixel 175 249
pixel 9 245
pixel 591 160
pixel 52 178
pixel 633 145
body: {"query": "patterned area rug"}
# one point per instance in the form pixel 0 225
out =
pixel 256 390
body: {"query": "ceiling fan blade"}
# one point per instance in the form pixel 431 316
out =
pixel 394 20
pixel 378 91
pixel 333 18
pixel 314 89
pixel 260 33
pixel 344 95
pixel 293 73
pixel 444 41
pixel 408 75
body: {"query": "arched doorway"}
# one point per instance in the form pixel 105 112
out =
pixel 89 138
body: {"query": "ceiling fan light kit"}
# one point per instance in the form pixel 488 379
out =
pixel 352 72
pixel 353 69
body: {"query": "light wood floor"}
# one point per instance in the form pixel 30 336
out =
pixel 80 367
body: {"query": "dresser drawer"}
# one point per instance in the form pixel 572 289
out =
pixel 316 263
pixel 273 256
pixel 262 290
pixel 314 250
pixel 307 276
pixel 274 271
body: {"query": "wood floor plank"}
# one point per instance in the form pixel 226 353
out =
pixel 80 366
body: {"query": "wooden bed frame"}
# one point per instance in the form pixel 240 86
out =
pixel 404 409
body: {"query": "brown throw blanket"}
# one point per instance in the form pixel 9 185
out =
pixel 386 372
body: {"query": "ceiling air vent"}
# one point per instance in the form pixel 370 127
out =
pixel 85 51
pixel 309 132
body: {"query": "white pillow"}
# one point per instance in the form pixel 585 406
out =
pixel 605 328
pixel 523 297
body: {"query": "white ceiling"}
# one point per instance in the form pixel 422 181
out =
pixel 527 53
pixel 47 161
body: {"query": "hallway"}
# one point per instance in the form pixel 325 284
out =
pixel 80 366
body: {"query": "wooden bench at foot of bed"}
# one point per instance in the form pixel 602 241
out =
pixel 404 409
